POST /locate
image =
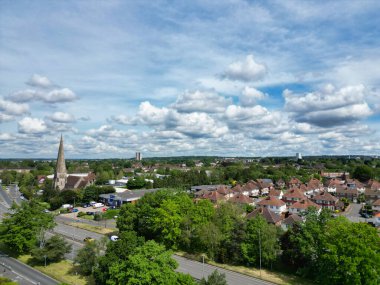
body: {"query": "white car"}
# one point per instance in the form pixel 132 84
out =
pixel 114 238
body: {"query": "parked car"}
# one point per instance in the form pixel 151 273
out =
pixel 86 205
pixel 114 238
pixel 365 215
pixel 90 213
pixel 88 239
pixel 75 210
pixel 92 203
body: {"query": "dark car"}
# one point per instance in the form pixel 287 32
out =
pixel 90 213
pixel 365 215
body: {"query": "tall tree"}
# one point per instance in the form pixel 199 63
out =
pixel 54 250
pixel 21 230
pixel 215 278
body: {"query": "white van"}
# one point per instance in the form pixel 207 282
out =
pixel 98 205
pixel 67 206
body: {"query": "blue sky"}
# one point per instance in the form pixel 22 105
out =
pixel 247 78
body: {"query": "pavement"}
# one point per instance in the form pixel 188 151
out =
pixel 199 270
pixel 22 273
pixel 353 215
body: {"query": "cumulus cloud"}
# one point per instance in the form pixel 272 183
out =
pixel 198 101
pixel 30 125
pixel 11 108
pixel 37 80
pixel 5 118
pixel 61 117
pixel 249 96
pixel 328 107
pixel 6 137
pixel 247 70
pixel 53 96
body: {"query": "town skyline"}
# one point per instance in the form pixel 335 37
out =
pixel 229 79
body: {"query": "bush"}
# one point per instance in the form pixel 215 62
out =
pixel 81 214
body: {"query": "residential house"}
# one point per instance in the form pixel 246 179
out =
pixel 347 192
pixel 280 183
pixel 273 204
pixel 241 199
pixel 265 185
pixel 270 216
pixel 294 182
pixel 276 193
pixel 293 195
pixel 214 196
pixel 326 200
pixel 253 188
pixel 225 190
pixel 290 221
pixel 300 207
pixel 376 205
pixel 371 195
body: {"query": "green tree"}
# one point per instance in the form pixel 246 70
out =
pixel 215 278
pixel 7 281
pixel 54 249
pixel 86 257
pixel 350 254
pixel 21 230
pixel 260 237
pixel 363 173
pixel 149 264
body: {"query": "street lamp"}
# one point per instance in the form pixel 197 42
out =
pixel 260 250
pixel 45 259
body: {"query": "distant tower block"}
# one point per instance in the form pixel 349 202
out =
pixel 298 155
pixel 138 156
pixel 60 174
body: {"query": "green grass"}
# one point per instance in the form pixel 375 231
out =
pixel 110 214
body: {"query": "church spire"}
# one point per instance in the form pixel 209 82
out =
pixel 60 173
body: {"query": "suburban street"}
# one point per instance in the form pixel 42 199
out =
pixel 23 273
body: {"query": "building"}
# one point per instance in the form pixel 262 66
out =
pixel 138 156
pixel 60 174
pixel 298 155
pixel 326 200
pixel 273 204
pixel 301 207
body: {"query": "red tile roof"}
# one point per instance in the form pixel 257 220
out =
pixel 325 196
pixel 294 193
pixel 269 216
pixel 241 199
pixel 304 204
pixel 271 201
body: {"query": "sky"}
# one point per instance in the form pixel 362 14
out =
pixel 173 78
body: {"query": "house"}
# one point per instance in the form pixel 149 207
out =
pixel 373 184
pixel 294 182
pixel 280 183
pixel 276 193
pixel 214 196
pixel 376 205
pixel 376 219
pixel 225 191
pixel 290 221
pixel 265 185
pixel 333 184
pixel 273 204
pixel 347 192
pixel 355 184
pixel 300 207
pixel 326 200
pixel 371 195
pixel 253 188
pixel 293 195
pixel 270 216
pixel 241 199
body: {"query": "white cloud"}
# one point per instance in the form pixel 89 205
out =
pixel 5 118
pixel 248 70
pixel 6 137
pixel 328 107
pixel 198 101
pixel 59 95
pixel 11 108
pixel 39 81
pixel 250 96
pixel 53 96
pixel 30 125
pixel 61 117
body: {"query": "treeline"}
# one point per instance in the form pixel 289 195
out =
pixel 325 249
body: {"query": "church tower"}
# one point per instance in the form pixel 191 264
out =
pixel 60 174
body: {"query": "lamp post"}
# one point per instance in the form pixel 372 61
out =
pixel 203 265
pixel 260 250
pixel 45 259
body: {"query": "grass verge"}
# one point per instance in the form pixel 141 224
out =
pixel 63 271
pixel 91 228
pixel 267 275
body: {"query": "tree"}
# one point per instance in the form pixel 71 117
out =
pixel 363 173
pixel 86 257
pixel 261 238
pixel 350 254
pixel 22 229
pixel 215 278
pixel 149 264
pixel 7 281
pixel 54 250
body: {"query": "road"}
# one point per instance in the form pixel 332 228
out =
pixel 199 270
pixel 23 273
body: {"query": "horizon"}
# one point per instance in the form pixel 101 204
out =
pixel 258 79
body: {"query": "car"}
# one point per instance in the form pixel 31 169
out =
pixel 86 205
pixel 365 215
pixel 75 210
pixel 46 211
pixel 88 239
pixel 90 213
pixel 114 238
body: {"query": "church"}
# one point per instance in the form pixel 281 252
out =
pixel 64 181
